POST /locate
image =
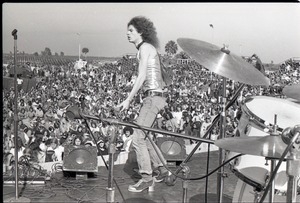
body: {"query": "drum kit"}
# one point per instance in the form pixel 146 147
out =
pixel 267 132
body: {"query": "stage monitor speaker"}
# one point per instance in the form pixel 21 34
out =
pixel 80 158
pixel 172 148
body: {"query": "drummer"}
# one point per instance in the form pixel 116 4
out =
pixel 255 60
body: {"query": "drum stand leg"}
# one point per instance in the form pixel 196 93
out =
pixel 293 171
pixel 257 196
pixel 272 187
pixel 273 164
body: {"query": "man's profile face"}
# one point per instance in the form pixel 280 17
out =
pixel 132 34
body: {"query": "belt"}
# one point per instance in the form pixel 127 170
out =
pixel 155 93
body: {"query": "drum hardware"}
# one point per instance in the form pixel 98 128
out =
pixel 257 120
pixel 273 164
pixel 292 167
pixel 266 164
pixel 224 63
pixel 257 195
pixel 222 123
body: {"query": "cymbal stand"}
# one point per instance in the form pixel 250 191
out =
pixel 273 164
pixel 293 172
pixel 220 177
pixel 207 133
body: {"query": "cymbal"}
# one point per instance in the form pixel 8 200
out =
pixel 292 91
pixel 227 65
pixel 267 146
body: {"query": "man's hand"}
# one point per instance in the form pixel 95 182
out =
pixel 123 106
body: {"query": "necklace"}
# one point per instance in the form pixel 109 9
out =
pixel 139 45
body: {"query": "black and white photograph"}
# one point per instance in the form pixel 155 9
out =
pixel 151 102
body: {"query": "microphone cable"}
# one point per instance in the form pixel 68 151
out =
pixel 181 177
pixel 207 166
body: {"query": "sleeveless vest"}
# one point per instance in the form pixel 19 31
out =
pixel 153 79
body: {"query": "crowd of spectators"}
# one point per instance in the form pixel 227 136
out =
pixel 193 103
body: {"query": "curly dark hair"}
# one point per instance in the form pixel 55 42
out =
pixel 145 26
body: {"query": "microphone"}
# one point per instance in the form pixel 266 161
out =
pixel 289 133
pixel 112 131
pixel 73 112
pixel 14 32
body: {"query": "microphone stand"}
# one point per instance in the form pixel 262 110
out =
pixel 73 112
pixel 16 199
pixel 220 177
pixel 110 190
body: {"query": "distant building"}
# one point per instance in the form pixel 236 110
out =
pixel 184 61
pixel 130 56
pixel 80 64
pixel 295 59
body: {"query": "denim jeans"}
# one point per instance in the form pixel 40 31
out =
pixel 145 152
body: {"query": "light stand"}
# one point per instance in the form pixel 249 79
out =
pixel 16 199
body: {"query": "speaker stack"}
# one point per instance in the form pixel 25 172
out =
pixel 173 150
pixel 80 159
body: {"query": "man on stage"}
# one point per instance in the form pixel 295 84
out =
pixel 142 33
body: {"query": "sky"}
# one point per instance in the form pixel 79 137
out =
pixel 270 30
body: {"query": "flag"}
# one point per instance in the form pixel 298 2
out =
pixel 211 25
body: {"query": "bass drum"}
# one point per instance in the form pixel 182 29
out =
pixel 258 115
pixel 245 193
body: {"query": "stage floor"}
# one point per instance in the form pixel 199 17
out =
pixel 69 190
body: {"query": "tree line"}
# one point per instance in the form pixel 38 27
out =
pixel 171 49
